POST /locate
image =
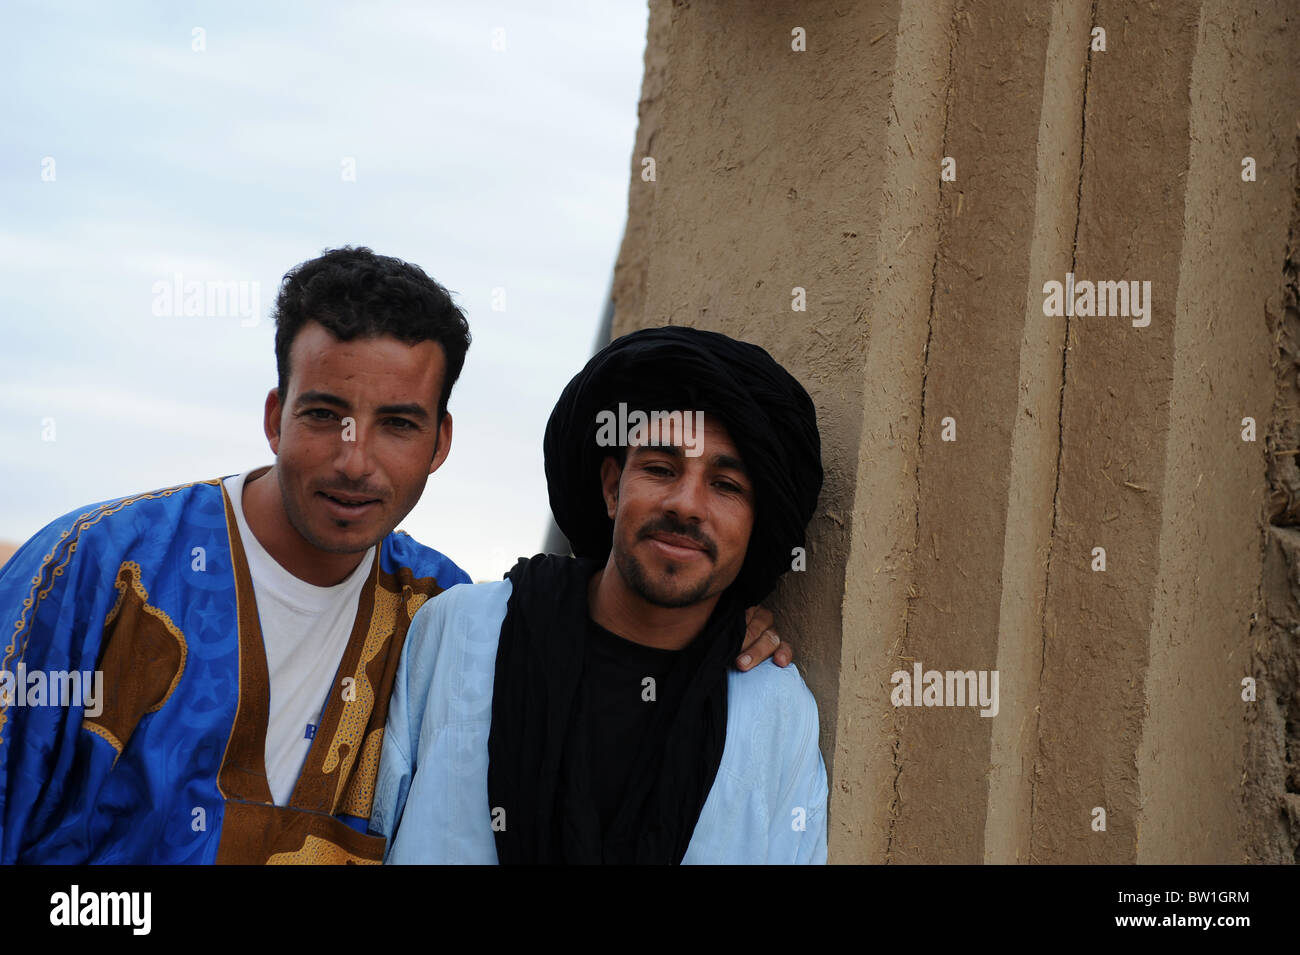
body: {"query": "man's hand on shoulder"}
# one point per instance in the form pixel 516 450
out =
pixel 761 641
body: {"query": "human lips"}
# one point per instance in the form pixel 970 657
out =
pixel 677 546
pixel 346 504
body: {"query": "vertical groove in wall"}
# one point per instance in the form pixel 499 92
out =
pixel 907 47
pixel 920 432
pixel 1060 422
pixel 1035 446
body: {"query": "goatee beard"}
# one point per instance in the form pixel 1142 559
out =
pixel 640 583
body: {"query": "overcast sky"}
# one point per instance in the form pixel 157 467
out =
pixel 130 157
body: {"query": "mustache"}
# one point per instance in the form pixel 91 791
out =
pixel 667 525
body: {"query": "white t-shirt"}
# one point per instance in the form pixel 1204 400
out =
pixel 305 629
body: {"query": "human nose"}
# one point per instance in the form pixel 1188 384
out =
pixel 687 498
pixel 354 459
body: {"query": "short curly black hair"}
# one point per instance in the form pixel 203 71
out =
pixel 357 294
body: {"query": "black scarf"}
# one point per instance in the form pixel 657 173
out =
pixel 539 747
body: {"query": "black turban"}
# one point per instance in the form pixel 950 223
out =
pixel 540 769
pixel 768 414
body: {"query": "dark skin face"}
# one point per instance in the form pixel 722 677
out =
pixel 355 441
pixel 681 529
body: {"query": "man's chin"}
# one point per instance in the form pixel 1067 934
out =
pixel 670 593
pixel 350 541
pixel 663 585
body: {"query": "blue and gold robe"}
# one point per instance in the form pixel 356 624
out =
pixel 154 591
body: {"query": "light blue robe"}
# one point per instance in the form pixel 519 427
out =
pixel 767 803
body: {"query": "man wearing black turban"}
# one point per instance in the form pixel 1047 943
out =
pixel 582 710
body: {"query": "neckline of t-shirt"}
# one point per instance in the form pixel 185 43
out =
pixel 283 585
pixel 631 647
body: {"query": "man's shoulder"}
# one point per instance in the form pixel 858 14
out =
pixel 477 600
pixel 771 696
pixel 121 521
pixel 767 681
pixel 401 551
pixel 465 609
pixel 153 504
pixel 451 647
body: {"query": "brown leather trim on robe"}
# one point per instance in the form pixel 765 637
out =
pixel 338 777
pixel 243 768
pixel 340 771
pixel 252 834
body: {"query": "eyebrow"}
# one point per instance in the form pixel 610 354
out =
pixel 325 398
pixel 728 461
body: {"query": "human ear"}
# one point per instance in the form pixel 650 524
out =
pixel 444 442
pixel 271 419
pixel 610 473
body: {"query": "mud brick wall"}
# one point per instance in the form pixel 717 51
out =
pixel 878 193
